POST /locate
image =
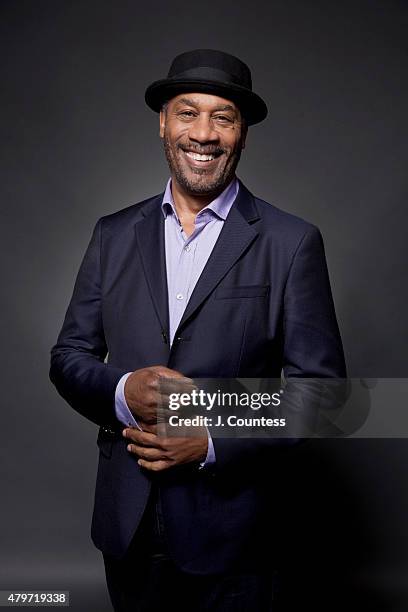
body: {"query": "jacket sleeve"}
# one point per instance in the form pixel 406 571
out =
pixel 312 352
pixel 77 360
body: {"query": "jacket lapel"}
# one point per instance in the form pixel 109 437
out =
pixel 150 238
pixel 236 235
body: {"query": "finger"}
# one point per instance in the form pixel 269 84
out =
pixel 155 400
pixel 147 453
pixel 154 466
pixel 159 428
pixel 168 385
pixel 141 437
pixel 162 398
pixel 149 427
pixel 166 372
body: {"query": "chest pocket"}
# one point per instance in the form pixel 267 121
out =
pixel 243 291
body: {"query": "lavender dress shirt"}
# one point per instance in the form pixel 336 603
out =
pixel 186 257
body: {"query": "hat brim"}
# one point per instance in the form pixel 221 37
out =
pixel 252 107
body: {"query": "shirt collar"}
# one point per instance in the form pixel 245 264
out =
pixel 220 206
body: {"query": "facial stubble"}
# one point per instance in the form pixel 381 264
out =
pixel 207 183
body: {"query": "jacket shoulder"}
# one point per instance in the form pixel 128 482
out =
pixel 286 229
pixel 280 219
pixel 273 219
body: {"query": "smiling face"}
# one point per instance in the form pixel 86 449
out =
pixel 203 138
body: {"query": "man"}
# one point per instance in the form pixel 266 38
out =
pixel 204 280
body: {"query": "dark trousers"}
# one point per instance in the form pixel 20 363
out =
pixel 147 580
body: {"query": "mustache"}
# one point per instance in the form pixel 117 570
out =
pixel 202 150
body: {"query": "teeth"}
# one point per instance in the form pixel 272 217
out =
pixel 199 157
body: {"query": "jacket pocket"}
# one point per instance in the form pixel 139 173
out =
pixel 243 291
pixel 106 437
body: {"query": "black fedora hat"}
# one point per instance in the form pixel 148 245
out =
pixel 213 72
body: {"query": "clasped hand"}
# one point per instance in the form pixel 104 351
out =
pixel 147 393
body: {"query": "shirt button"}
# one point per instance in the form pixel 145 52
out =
pixel 179 296
pixel 187 248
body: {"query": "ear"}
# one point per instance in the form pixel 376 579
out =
pixel 162 123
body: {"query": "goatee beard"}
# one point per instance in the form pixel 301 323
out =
pixel 201 188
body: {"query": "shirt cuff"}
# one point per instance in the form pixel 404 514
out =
pixel 122 411
pixel 210 458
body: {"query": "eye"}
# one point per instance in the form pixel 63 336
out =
pixel 187 114
pixel 223 119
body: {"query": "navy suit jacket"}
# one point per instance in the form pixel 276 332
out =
pixel 262 304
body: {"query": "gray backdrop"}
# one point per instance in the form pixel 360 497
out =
pixel 78 142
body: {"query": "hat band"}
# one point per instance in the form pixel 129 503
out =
pixel 208 73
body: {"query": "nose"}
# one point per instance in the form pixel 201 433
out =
pixel 202 130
